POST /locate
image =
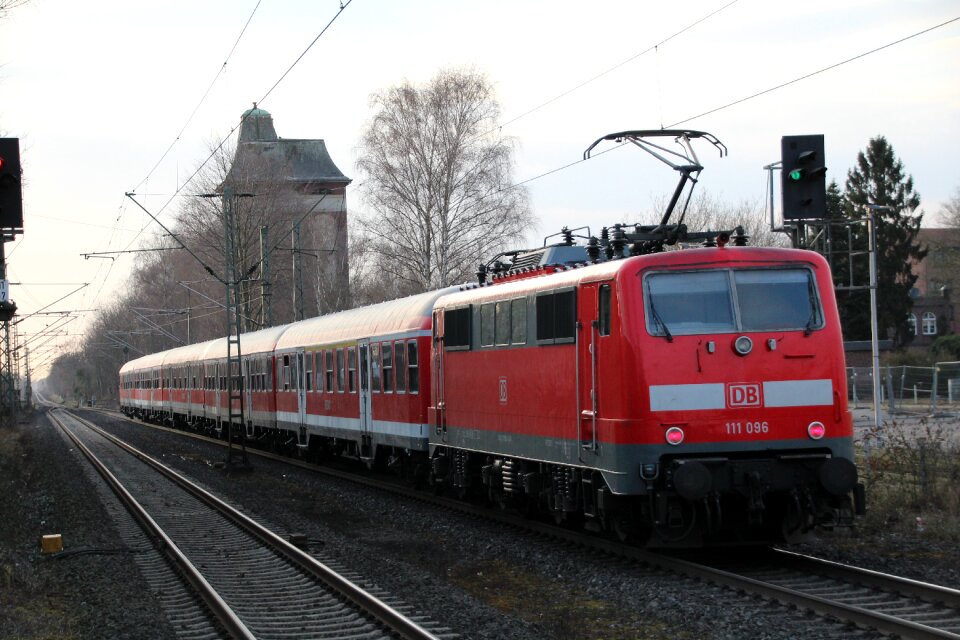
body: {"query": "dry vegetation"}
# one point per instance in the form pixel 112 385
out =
pixel 912 471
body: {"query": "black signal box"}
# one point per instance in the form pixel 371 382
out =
pixel 11 193
pixel 803 180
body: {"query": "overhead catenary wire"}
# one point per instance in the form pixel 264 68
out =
pixel 653 48
pixel 817 72
pixel 343 6
pixel 202 98
pixel 745 99
pixel 180 188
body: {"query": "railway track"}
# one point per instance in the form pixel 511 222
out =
pixel 867 599
pixel 252 582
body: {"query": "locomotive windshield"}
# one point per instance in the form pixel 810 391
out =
pixel 728 300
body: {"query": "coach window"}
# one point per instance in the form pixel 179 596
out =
pixel 387 367
pixel 413 370
pixel 503 324
pixel 322 371
pixel 308 369
pixel 341 366
pixel 400 366
pixel 556 317
pixel 456 329
pixel 603 313
pixel 352 369
pixel 329 369
pixel 286 373
pixel 376 372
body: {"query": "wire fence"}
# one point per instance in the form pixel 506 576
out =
pixel 906 388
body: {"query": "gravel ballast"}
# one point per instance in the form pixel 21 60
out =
pixel 480 580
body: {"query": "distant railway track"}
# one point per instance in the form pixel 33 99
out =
pixel 254 583
pixel 868 599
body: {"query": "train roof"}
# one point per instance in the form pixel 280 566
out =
pixel 252 343
pixel 385 319
pixel 572 276
pixel 148 361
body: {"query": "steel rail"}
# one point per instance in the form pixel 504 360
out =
pixel 904 586
pixel 860 616
pixel 384 613
pixel 218 607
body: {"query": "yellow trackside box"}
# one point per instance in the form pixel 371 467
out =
pixel 51 544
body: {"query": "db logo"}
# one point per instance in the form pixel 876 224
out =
pixel 744 395
pixel 503 391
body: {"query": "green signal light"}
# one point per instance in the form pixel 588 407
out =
pixel 796 174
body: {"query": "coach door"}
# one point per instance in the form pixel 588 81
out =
pixel 438 411
pixel 366 405
pixel 218 390
pixel 301 390
pixel 594 324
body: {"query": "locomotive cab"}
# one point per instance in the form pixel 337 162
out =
pixel 742 379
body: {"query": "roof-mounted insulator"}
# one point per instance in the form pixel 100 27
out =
pixel 593 249
pixel 619 241
pixel 739 238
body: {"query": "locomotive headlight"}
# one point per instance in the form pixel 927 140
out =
pixel 816 430
pixel 674 435
pixel 743 345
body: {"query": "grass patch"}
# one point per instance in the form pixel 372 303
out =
pixel 562 610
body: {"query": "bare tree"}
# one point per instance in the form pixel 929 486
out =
pixel 8 5
pixel 950 212
pixel 436 174
pixel 707 211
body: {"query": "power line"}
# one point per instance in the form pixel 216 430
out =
pixel 795 80
pixel 343 6
pixel 86 224
pixel 203 98
pixel 618 65
pixel 819 71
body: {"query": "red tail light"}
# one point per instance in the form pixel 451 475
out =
pixel 674 435
pixel 816 430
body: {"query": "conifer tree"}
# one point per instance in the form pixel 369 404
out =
pixel 879 179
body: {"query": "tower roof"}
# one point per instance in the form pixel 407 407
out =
pixel 256 124
pixel 261 155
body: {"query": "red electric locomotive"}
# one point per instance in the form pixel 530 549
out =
pixel 681 398
pixel 686 397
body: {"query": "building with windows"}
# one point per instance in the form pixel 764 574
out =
pixel 298 205
pixel 936 306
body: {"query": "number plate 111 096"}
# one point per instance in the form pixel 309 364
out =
pixel 747 428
